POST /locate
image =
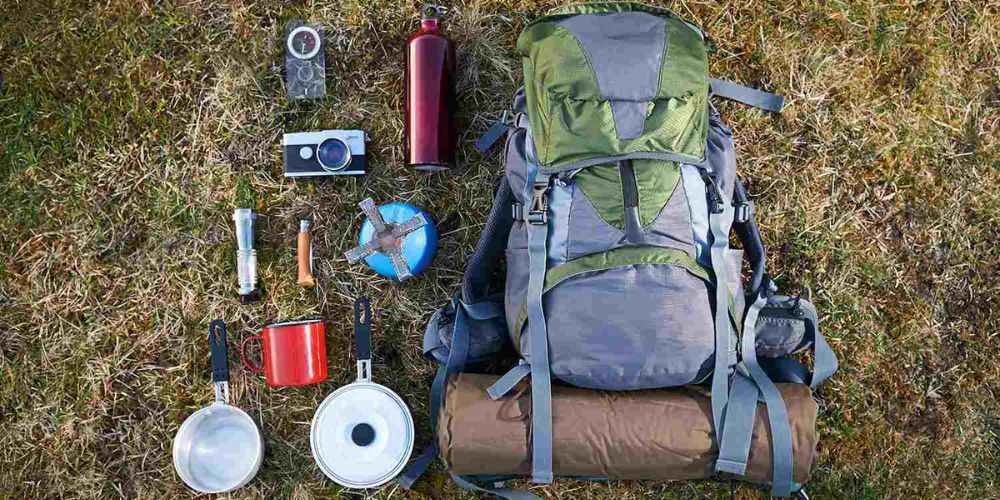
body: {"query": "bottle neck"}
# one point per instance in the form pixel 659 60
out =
pixel 430 24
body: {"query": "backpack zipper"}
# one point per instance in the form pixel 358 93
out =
pixel 630 199
pixel 630 190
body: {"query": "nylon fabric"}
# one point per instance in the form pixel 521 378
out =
pixel 625 51
pixel 591 233
pixel 573 167
pixel 507 382
pixel 734 447
pixel 672 226
pixel 659 435
pixel 685 69
pixel 634 314
pixel 694 188
pixel 479 272
pixel 749 96
pixel 723 333
pixel 560 213
pixel 624 256
pixel 777 413
pixel 629 117
pixel 516 289
pixel 541 388
pixel 633 228
pixel 656 181
pixel 573 81
pixel 602 185
pixel 619 257
pixel 825 361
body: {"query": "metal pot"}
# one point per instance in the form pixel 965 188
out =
pixel 218 448
pixel 362 434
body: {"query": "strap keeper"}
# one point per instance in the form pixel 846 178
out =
pixel 731 467
pixel 744 211
pixel 517 211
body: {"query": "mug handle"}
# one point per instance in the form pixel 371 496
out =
pixel 246 359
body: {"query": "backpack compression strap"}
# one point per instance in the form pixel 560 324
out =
pixel 749 96
pixel 724 353
pixel 541 382
pixel 735 446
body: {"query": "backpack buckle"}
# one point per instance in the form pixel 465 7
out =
pixel 538 213
pixel 715 203
pixel 517 211
pixel 744 211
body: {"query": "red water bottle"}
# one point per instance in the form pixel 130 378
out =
pixel 430 95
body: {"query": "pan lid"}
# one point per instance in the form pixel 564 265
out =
pixel 362 434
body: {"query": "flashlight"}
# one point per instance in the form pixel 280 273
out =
pixel 246 256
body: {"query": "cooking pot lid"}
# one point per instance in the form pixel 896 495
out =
pixel 362 435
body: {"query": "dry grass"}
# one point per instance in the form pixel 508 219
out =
pixel 131 128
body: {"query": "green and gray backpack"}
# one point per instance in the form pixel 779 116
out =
pixel 615 216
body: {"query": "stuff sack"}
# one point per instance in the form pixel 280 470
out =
pixel 614 217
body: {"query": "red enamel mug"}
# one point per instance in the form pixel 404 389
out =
pixel 294 353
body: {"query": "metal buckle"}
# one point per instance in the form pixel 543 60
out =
pixel 538 214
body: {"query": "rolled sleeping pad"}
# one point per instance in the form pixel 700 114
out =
pixel 661 435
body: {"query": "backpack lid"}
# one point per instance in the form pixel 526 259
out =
pixel 605 81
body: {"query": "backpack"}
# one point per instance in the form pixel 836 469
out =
pixel 614 218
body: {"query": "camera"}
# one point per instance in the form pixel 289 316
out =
pixel 324 153
pixel 305 65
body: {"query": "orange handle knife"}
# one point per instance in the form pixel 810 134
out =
pixel 305 257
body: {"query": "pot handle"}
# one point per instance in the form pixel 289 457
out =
pixel 246 359
pixel 363 337
pixel 220 359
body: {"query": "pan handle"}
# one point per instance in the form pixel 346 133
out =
pixel 220 359
pixel 363 337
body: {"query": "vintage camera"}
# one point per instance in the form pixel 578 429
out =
pixel 328 152
pixel 305 65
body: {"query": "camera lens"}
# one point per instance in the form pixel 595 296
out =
pixel 333 154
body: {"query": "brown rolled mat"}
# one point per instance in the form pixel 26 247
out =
pixel 659 435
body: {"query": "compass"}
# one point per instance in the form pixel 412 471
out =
pixel 304 42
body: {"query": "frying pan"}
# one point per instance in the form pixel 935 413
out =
pixel 218 448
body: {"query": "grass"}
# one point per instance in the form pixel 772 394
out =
pixel 131 128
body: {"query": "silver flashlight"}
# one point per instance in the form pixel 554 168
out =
pixel 246 256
